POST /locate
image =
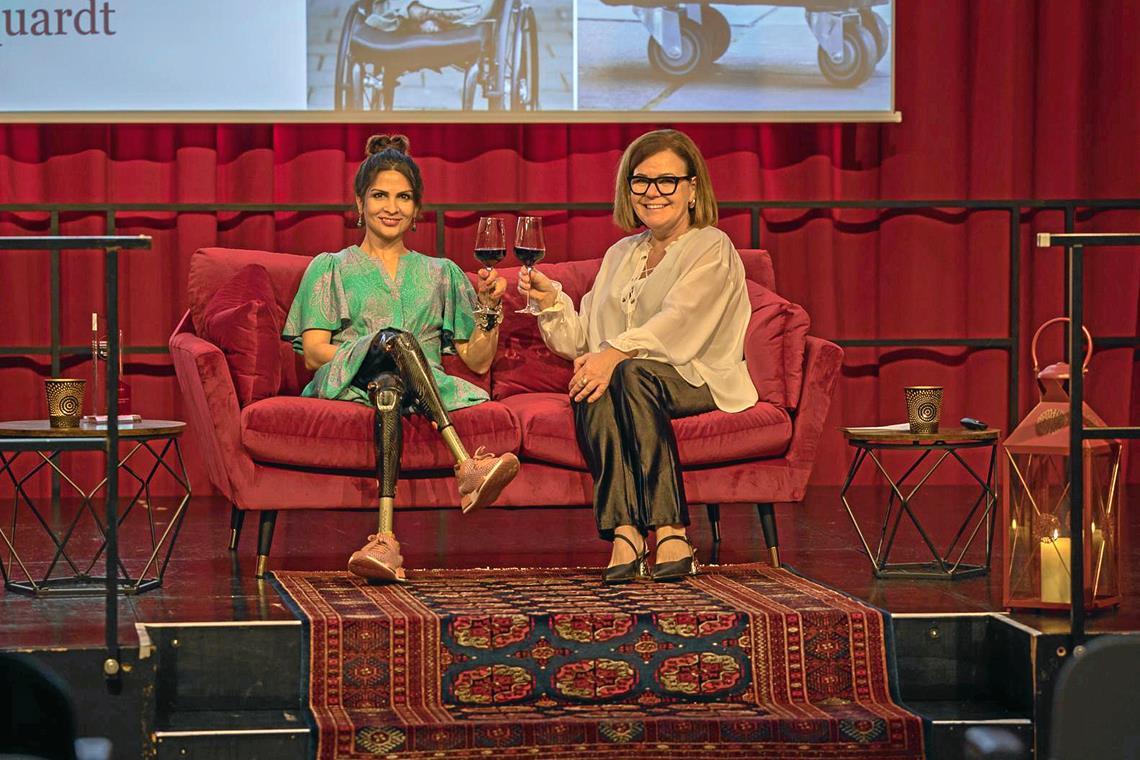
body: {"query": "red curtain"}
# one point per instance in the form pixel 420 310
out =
pixel 1012 99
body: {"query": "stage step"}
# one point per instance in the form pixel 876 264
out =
pixel 269 734
pixel 962 670
pixel 237 690
pixel 228 690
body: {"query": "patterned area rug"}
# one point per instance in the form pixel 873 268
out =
pixel 743 661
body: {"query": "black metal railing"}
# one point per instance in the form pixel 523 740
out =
pixel 110 245
pixel 1078 433
pixel 1019 212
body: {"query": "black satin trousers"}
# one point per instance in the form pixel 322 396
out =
pixel 396 374
pixel 627 440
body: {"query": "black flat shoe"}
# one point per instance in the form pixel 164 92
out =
pixel 629 571
pixel 678 568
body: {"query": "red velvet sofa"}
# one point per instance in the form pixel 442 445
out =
pixel 268 449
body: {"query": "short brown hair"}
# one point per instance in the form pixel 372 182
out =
pixel 704 211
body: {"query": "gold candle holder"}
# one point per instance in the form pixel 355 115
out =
pixel 65 401
pixel 924 408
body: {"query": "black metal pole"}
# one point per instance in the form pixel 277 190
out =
pixel 56 344
pixel 440 234
pixel 1076 446
pixel 111 664
pixel 1070 227
pixel 1014 374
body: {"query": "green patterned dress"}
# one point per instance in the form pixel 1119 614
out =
pixel 353 296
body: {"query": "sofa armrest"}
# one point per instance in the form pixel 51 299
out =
pixel 212 408
pixel 822 362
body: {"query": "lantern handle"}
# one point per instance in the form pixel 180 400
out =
pixel 1036 335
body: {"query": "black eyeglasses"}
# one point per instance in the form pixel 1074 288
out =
pixel 666 184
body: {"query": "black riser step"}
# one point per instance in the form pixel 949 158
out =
pixel 234 745
pixel 979 663
pixel 233 733
pixel 226 666
pixel 947 740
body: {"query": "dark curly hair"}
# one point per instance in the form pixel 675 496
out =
pixel 388 153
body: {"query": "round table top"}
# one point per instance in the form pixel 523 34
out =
pixel 895 435
pixel 43 429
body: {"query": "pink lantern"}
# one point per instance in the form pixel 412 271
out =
pixel 1035 501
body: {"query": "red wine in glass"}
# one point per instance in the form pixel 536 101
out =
pixel 490 247
pixel 489 257
pixel 530 247
pixel 529 256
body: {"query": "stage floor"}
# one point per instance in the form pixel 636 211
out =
pixel 207 583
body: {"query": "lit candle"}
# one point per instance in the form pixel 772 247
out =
pixel 1055 585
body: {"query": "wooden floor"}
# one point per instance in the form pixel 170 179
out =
pixel 206 583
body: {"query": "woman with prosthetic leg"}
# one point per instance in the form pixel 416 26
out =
pixel 373 321
pixel 397 379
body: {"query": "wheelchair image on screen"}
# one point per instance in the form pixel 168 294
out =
pixel 686 38
pixel 498 55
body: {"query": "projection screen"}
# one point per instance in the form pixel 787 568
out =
pixel 446 60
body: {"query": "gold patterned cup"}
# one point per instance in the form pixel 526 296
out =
pixel 923 407
pixel 65 401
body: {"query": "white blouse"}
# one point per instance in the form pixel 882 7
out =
pixel 690 311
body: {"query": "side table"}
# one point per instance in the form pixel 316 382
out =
pixel 870 442
pixel 36 438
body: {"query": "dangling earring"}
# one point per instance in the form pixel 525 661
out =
pixel 692 203
pixel 360 219
pixel 413 225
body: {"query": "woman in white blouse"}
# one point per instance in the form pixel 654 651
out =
pixel 659 336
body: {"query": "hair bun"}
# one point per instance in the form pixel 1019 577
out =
pixel 378 143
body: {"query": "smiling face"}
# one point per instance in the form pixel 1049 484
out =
pixel 388 207
pixel 664 215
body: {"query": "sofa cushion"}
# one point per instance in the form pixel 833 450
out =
pixel 312 432
pixel 758 266
pixel 523 363
pixel 244 321
pixel 774 346
pixel 716 437
pixel 210 268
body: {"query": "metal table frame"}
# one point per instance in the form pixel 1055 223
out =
pixel 945 565
pixel 159 443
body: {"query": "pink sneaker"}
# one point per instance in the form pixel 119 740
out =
pixel 378 560
pixel 483 477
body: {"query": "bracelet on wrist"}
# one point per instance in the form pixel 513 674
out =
pixel 488 319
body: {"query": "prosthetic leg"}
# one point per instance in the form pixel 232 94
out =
pixel 482 477
pixel 394 371
pixel 380 558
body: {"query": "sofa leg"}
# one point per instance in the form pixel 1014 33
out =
pixel 265 540
pixel 714 521
pixel 768 524
pixel 237 517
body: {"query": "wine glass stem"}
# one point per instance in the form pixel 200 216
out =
pixel 531 301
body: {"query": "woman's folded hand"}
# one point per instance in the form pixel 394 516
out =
pixel 592 373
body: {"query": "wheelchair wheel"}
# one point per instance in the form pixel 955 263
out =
pixel 716 30
pixel 859 51
pixel 516 78
pixel 358 86
pixel 879 31
pixel 523 82
pixel 470 81
pixel 692 58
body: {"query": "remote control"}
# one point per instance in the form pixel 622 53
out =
pixel 972 424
